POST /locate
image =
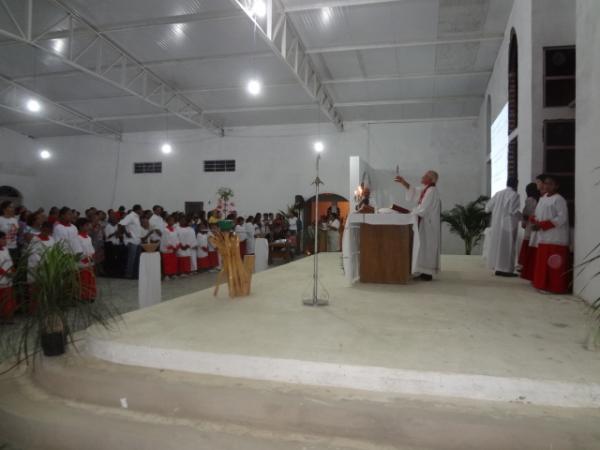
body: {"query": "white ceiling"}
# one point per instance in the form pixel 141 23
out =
pixel 379 60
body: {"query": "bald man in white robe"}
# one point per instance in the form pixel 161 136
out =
pixel 428 210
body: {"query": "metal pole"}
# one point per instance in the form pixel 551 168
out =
pixel 316 268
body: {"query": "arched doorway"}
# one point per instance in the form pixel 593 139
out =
pixel 12 194
pixel 513 106
pixel 326 201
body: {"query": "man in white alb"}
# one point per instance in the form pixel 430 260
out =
pixel 428 210
pixel 505 207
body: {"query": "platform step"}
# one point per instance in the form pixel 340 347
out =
pixel 75 403
pixel 31 419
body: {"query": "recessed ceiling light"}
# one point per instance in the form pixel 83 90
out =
pixel 259 8
pixel 254 87
pixel 45 154
pixel 33 105
pixel 166 148
pixel 319 146
pixel 178 29
pixel 58 45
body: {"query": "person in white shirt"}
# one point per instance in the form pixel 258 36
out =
pixel 65 232
pixel 115 251
pixel 505 208
pixel 250 235
pixel 333 233
pixel 8 304
pixel 132 237
pixel 240 231
pixel 428 211
pixel 156 221
pixel 187 247
pixel 551 222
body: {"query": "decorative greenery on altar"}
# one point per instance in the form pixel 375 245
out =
pixel 224 204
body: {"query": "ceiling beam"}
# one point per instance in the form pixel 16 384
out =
pixel 183 91
pixel 408 76
pixel 410 101
pixel 279 34
pixel 13 97
pixel 384 45
pixel 339 4
pixel 114 65
pixel 155 64
pixel 148 23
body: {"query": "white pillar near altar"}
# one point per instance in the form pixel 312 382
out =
pixel 149 282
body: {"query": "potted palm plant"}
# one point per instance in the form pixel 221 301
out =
pixel 53 309
pixel 468 221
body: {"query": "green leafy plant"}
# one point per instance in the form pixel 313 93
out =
pixel 590 261
pixel 593 340
pixel 468 221
pixel 52 304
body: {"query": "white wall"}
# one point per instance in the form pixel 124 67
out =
pixel 273 164
pixel 18 161
pixel 521 21
pixel 587 228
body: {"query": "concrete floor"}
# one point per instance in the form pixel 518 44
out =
pixel 465 322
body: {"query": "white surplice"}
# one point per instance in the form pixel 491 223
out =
pixel 428 209
pixel 505 208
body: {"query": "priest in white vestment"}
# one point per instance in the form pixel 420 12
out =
pixel 505 208
pixel 428 210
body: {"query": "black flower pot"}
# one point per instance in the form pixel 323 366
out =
pixel 53 344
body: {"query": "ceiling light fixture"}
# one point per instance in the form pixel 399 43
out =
pixel 45 154
pixel 319 146
pixel 254 87
pixel 259 8
pixel 33 105
pixel 166 148
pixel 58 45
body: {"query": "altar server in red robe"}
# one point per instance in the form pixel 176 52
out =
pixel 82 246
pixel 187 247
pixel 202 249
pixel 7 298
pixel 65 233
pixel 526 259
pixel 169 243
pixel 551 222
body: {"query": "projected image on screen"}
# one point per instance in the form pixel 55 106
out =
pixel 499 156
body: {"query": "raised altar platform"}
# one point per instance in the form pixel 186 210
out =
pixel 466 335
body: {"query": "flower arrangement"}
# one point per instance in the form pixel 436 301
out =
pixel 224 204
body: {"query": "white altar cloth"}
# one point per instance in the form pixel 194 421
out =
pixel 351 238
pixel 149 283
